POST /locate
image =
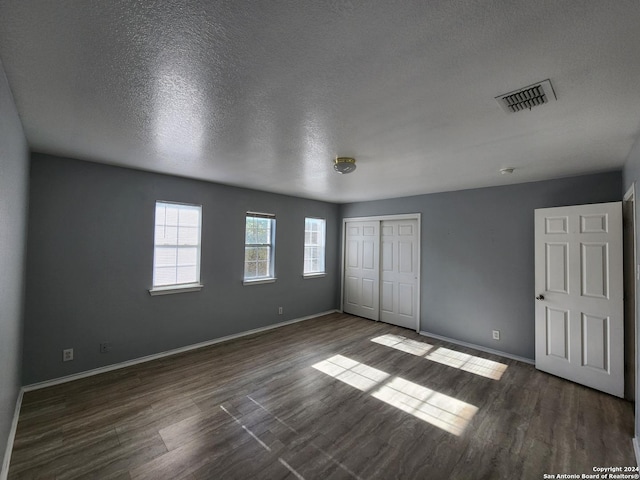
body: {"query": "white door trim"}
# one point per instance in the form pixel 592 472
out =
pixel 407 216
pixel 631 194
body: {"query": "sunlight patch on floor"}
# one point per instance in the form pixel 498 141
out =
pixel 463 361
pixel 442 411
pixel 469 363
pixel 352 373
pixel 403 344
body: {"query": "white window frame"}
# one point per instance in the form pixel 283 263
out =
pixel 322 245
pixel 165 289
pixel 270 277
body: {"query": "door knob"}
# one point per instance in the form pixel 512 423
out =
pixel 540 297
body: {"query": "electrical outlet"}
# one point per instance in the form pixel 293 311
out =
pixel 496 334
pixel 279 310
pixel 105 347
pixel 67 354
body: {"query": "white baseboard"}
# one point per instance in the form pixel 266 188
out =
pixel 4 473
pixel 155 356
pixel 479 347
pixel 636 449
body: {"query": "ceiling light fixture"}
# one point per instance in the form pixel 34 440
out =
pixel 507 171
pixel 344 165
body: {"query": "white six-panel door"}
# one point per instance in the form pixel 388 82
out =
pixel 362 269
pixel 579 294
pixel 399 272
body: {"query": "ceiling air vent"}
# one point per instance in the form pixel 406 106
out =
pixel 528 97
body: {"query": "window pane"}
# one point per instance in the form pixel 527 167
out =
pixel 189 217
pixel 166 235
pixel 250 254
pixel 165 256
pixel 171 215
pixel 250 269
pixel 263 253
pixel 187 256
pixel 164 276
pixel 188 236
pixel 186 274
pixel 160 213
pixel 263 269
pixel 250 230
pixel 320 265
pixel 262 236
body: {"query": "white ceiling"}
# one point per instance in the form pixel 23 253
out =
pixel 264 94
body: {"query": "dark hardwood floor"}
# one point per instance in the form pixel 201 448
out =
pixel 337 397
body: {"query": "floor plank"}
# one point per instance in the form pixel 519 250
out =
pixel 337 397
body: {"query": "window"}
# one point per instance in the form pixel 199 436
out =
pixel 176 253
pixel 259 242
pixel 314 238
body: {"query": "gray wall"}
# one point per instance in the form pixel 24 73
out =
pixel 90 256
pixel 631 174
pixel 14 165
pixel 478 256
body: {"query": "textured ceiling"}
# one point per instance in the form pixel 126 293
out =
pixel 264 94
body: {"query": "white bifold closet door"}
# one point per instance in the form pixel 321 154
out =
pixel 362 269
pixel 381 279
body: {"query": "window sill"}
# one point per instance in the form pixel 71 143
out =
pixel 259 281
pixel 171 289
pixel 313 275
